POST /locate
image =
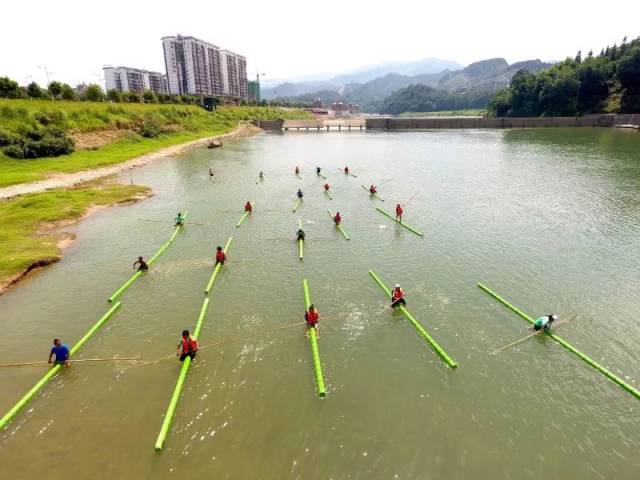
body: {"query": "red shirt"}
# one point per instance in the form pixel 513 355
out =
pixel 397 293
pixel 248 207
pixel 220 257
pixel 398 210
pixel 337 218
pixel 312 317
pixel 326 186
pixel 189 344
pixel 373 189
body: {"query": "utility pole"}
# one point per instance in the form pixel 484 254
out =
pixel 47 72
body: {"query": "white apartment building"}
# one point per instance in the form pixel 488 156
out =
pixel 234 75
pixel 193 66
pixel 126 79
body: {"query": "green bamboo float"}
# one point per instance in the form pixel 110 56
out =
pixel 374 195
pixel 408 227
pixel 438 349
pixel 216 269
pixel 564 343
pixel 20 404
pixel 175 397
pixel 328 194
pixel 295 207
pixel 137 275
pixel 300 243
pixel 313 339
pixel 339 227
pixel 244 216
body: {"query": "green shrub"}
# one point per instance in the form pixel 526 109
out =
pixel 36 143
pixel 14 151
pixel 150 127
pixel 8 138
pixel 54 146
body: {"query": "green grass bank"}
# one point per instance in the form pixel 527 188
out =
pixel 27 223
pixel 107 134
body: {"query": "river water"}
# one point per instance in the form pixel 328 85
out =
pixel 550 219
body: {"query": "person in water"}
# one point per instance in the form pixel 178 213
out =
pixel 179 220
pixel 297 170
pixel 337 218
pixel 300 194
pixel 300 234
pixel 142 265
pixel 373 190
pixel 544 322
pixel 317 170
pixel 312 317
pixel 399 212
pixel 188 346
pixel 261 176
pixel 248 207
pixel 221 257
pixel 326 187
pixel 211 174
pixel 61 353
pixel 397 297
pixel 346 170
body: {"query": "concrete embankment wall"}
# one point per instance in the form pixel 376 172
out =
pixel 269 124
pixel 406 123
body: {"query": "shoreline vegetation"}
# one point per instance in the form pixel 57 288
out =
pixel 108 139
pixel 29 224
pixel 105 134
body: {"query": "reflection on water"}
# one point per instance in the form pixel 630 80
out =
pixel 548 218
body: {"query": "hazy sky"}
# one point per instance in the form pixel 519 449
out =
pixel 74 39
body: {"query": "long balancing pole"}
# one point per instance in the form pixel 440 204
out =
pixel 54 370
pixel 408 227
pixel 438 349
pixel 565 344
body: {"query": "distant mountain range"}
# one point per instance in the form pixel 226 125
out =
pixel 370 87
pixel 315 83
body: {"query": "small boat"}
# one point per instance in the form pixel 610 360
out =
pixel 214 143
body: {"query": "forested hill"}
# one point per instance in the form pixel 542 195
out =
pixel 605 83
pixel 474 86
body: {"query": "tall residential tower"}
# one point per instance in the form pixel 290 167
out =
pixel 234 75
pixel 193 66
pixel 197 67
